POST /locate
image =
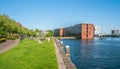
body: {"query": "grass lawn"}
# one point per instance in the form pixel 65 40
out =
pixel 30 55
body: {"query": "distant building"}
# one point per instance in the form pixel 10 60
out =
pixel 44 31
pixel 59 32
pixel 115 32
pixel 82 31
pixel 97 30
pixel 87 31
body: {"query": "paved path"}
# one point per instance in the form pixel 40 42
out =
pixel 59 58
pixel 63 61
pixel 5 46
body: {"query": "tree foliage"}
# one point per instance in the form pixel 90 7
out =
pixel 8 27
pixel 49 33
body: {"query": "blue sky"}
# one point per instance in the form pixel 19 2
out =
pixel 50 14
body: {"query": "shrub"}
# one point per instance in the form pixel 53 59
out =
pixel 2 36
pixel 11 38
pixel 2 40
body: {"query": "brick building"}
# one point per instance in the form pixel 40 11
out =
pixel 59 32
pixel 87 31
pixel 82 31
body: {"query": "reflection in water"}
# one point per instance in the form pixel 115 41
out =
pixel 95 54
pixel 86 48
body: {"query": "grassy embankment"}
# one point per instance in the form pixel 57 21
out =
pixel 30 55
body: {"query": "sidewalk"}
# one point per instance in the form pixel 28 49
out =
pixel 63 61
pixel 5 46
pixel 61 64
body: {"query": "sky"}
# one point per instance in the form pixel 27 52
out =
pixel 51 14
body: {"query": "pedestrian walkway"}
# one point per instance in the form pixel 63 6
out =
pixel 61 64
pixel 63 61
pixel 5 46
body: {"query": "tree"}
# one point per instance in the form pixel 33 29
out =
pixel 49 33
pixel 36 31
pixel 9 26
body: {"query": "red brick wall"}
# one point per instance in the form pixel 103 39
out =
pixel 61 32
pixel 90 31
pixel 87 31
pixel 84 33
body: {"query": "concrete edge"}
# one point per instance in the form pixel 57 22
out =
pixel 59 58
pixel 62 58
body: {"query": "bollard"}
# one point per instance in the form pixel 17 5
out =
pixel 67 49
pixel 61 43
pixel 58 42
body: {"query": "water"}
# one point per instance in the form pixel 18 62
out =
pixel 95 54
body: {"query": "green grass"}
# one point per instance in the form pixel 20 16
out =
pixel 30 55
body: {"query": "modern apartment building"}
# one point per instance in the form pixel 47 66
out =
pixel 97 30
pixel 115 32
pixel 82 31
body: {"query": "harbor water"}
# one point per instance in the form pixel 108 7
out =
pixel 94 54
